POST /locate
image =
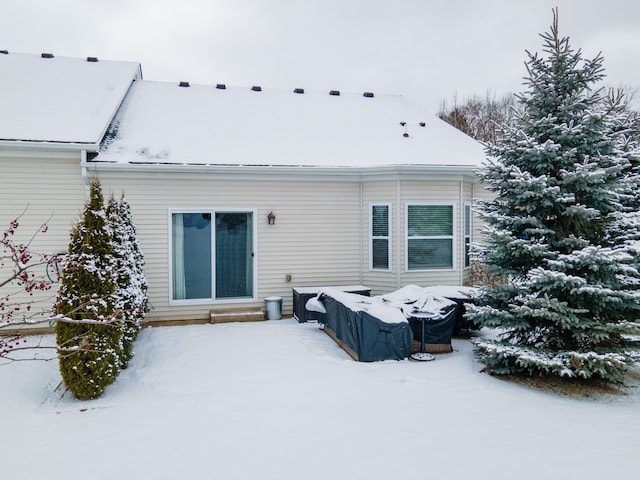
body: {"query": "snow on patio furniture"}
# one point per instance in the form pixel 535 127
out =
pixel 460 295
pixel 432 319
pixel 367 329
pixel 386 327
pixel 445 306
pixel 301 295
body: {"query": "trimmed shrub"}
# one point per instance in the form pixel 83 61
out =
pixel 87 329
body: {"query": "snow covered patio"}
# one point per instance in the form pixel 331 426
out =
pixel 280 400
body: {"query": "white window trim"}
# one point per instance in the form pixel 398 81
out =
pixel 213 300
pixel 466 235
pixel 452 237
pixel 388 237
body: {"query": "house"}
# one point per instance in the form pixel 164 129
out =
pixel 241 193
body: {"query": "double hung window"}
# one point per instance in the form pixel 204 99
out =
pixel 430 236
pixel 380 237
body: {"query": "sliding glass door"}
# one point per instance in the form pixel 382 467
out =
pixel 212 255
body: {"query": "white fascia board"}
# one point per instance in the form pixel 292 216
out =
pixel 421 172
pixel 257 172
pixel 25 146
pixel 229 171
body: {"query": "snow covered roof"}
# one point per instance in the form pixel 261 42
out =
pixel 46 98
pixel 209 125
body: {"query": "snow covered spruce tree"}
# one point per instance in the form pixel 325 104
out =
pixel 130 279
pixel 88 331
pixel 563 229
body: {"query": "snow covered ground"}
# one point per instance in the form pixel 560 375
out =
pixel 280 400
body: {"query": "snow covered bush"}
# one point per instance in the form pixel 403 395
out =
pixel 88 331
pixel 103 297
pixel 130 279
pixel 563 228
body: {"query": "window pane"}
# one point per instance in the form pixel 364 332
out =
pixel 380 253
pixel 380 220
pixel 191 255
pixel 430 220
pixel 234 255
pixel 467 220
pixel 424 254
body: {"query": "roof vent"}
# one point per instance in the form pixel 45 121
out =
pixel 368 94
pixel 422 124
pixel 298 90
pixel 335 93
pixel 92 59
pixel 221 86
pixel 47 55
pixel 184 84
pixel 4 52
pixel 256 88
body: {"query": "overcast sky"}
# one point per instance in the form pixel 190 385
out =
pixel 426 50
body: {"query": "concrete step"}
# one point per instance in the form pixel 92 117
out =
pixel 226 315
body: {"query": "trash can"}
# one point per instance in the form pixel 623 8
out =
pixel 273 307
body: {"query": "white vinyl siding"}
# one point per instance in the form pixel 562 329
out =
pixel 315 239
pixel 321 234
pixel 430 236
pixel 381 192
pixel 380 237
pixel 42 189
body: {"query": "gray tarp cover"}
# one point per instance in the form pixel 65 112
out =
pixel 436 330
pixel 368 336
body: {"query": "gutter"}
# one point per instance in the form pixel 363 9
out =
pixel 36 145
pixel 362 219
pixel 460 239
pixel 244 171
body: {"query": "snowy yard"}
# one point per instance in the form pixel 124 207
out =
pixel 280 400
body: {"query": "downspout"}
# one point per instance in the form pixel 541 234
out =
pixel 399 230
pixel 460 246
pixel 361 236
pixel 472 237
pixel 85 177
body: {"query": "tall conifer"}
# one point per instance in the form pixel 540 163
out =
pixel 563 227
pixel 87 331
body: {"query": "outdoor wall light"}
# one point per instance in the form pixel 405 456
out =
pixel 271 218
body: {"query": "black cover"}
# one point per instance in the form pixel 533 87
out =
pixel 368 336
pixel 436 330
pixel 461 321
